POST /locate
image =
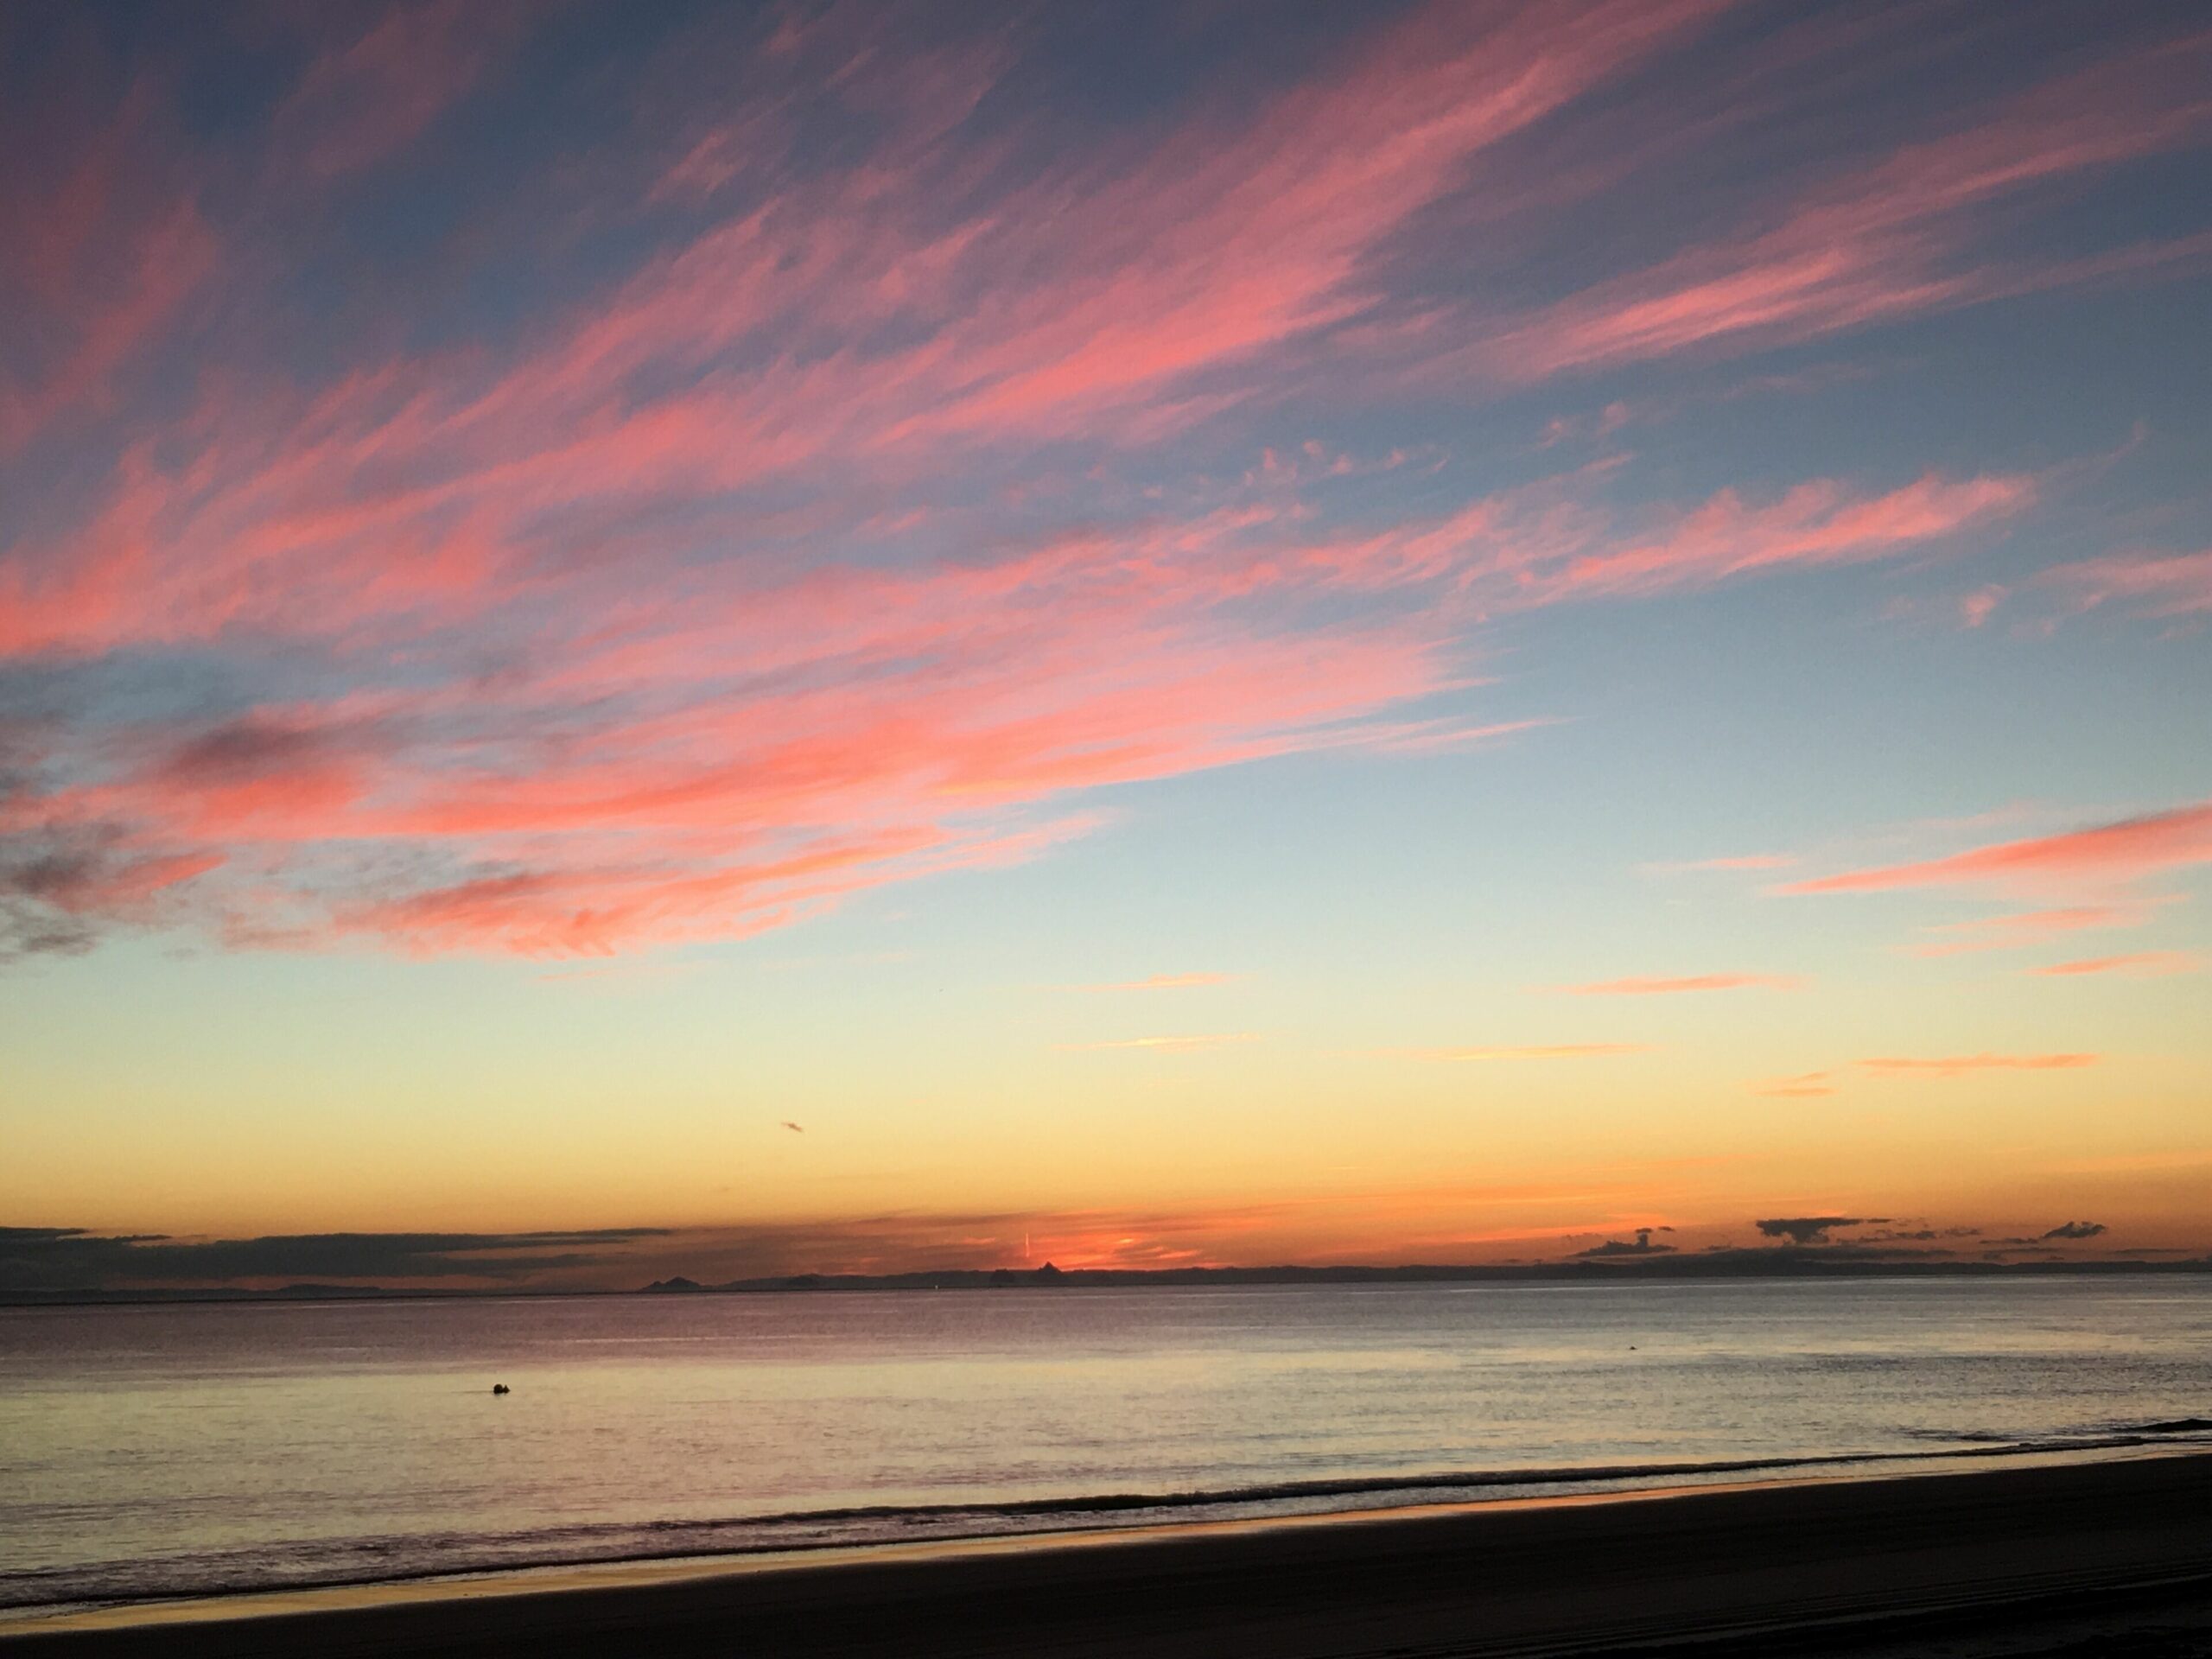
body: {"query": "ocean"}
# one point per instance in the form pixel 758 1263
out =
pixel 164 1451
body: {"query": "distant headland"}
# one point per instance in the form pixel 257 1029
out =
pixel 1785 1262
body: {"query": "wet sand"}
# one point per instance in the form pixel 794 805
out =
pixel 2086 1560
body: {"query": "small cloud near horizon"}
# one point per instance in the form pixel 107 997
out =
pixel 1813 1230
pixel 2077 1229
pixel 1642 1246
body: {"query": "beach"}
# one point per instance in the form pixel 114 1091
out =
pixel 2112 1557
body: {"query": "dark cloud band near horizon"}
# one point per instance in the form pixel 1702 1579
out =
pixel 49 1258
pixel 61 1260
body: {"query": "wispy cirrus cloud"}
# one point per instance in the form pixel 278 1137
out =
pixel 1736 862
pixel 2149 963
pixel 1689 983
pixel 836 523
pixel 1164 983
pixel 1805 1085
pixel 1815 523
pixel 2118 852
pixel 1178 1044
pixel 60 886
pixel 1960 1066
pixel 366 96
pixel 714 759
pixel 2178 585
pixel 1894 239
pixel 1810 1085
pixel 2022 929
pixel 106 244
pixel 1977 608
pixel 569 715
pixel 1509 1051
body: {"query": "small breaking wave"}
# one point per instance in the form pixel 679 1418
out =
pixel 315 1564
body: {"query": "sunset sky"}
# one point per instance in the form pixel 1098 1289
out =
pixel 871 637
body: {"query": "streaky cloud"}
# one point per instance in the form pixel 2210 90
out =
pixel 2177 585
pixel 1684 985
pixel 2120 851
pixel 2134 963
pixel 1517 1051
pixel 1960 1066
pixel 1169 1045
pixel 1164 983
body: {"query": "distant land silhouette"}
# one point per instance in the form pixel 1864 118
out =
pixel 1771 1261
pixel 1782 1261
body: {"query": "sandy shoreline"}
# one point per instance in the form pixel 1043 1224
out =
pixel 2000 1556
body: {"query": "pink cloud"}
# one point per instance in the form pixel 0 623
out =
pixel 1217 249
pixel 1520 1051
pixel 414 490
pixel 1978 606
pixel 719 809
pixel 101 247
pixel 2121 851
pixel 2025 928
pixel 2178 586
pixel 1888 240
pixel 591 689
pixel 567 909
pixel 1806 1085
pixel 725 747
pixel 359 101
pixel 1740 861
pixel 1815 523
pixel 1958 1065
pixel 2139 962
pixel 1676 986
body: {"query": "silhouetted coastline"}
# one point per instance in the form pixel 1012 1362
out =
pixel 1825 1262
pixel 1811 1262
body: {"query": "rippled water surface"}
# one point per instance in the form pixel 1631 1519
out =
pixel 167 1449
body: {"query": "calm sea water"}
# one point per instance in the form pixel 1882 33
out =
pixel 181 1450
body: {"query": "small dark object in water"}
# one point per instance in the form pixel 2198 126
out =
pixel 501 1387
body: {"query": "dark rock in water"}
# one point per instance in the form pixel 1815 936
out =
pixel 662 1286
pixel 501 1387
pixel 2179 1426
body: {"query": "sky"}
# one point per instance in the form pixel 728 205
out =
pixel 833 638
